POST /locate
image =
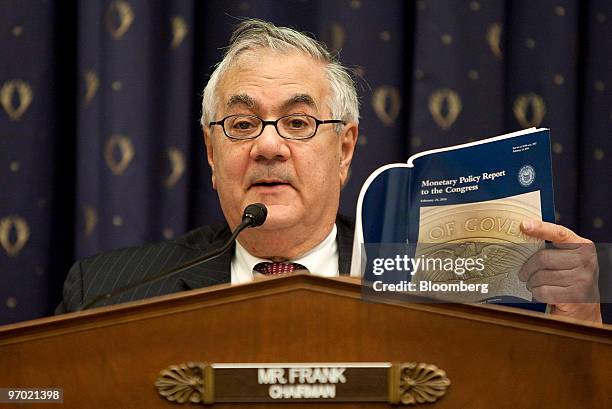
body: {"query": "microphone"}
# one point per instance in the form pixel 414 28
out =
pixel 254 215
pixel 256 212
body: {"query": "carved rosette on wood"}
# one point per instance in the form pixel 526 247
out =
pixel 190 382
pixel 411 383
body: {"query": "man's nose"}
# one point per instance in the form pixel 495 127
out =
pixel 270 146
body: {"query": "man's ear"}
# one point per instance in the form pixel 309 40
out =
pixel 210 154
pixel 348 140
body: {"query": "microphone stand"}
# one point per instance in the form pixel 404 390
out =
pixel 247 221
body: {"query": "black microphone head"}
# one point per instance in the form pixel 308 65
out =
pixel 255 212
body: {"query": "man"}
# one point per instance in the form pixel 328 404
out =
pixel 295 165
pixel 280 120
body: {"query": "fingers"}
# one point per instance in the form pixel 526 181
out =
pixel 552 232
pixel 551 294
pixel 565 277
pixel 559 278
pixel 577 285
pixel 548 259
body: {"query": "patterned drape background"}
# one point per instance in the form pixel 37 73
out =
pixel 99 139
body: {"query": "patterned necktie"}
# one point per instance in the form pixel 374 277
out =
pixel 271 269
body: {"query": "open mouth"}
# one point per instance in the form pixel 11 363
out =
pixel 269 184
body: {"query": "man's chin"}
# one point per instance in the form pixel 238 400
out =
pixel 280 217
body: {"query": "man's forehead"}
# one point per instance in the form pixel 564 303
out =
pixel 253 103
pixel 275 79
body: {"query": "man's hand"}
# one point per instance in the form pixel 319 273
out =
pixel 566 277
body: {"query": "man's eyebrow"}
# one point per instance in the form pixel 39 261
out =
pixel 249 102
pixel 243 99
pixel 299 99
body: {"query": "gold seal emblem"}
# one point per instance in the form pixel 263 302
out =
pixel 387 102
pixel 487 233
pixel 177 164
pixel 179 31
pixel 119 18
pixel 121 145
pixel 17 225
pixel 23 91
pixel 445 106
pixel 529 102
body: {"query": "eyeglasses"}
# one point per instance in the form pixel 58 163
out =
pixel 243 127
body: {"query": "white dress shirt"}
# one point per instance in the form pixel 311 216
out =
pixel 322 260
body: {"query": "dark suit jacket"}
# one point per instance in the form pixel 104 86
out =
pixel 105 272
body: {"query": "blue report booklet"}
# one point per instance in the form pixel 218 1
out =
pixel 446 224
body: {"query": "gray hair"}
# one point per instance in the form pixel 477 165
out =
pixel 254 34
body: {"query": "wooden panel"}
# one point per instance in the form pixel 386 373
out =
pixel 110 357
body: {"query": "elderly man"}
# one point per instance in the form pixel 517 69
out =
pixel 280 119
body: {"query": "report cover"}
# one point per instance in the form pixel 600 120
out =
pixel 446 224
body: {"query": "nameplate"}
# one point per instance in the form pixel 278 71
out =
pixel 395 383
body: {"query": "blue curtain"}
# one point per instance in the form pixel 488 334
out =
pixel 100 145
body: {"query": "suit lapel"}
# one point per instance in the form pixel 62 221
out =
pixel 212 272
pixel 216 271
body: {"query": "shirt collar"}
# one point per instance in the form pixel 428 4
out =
pixel 320 260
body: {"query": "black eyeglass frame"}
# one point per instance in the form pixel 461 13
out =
pixel 275 123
